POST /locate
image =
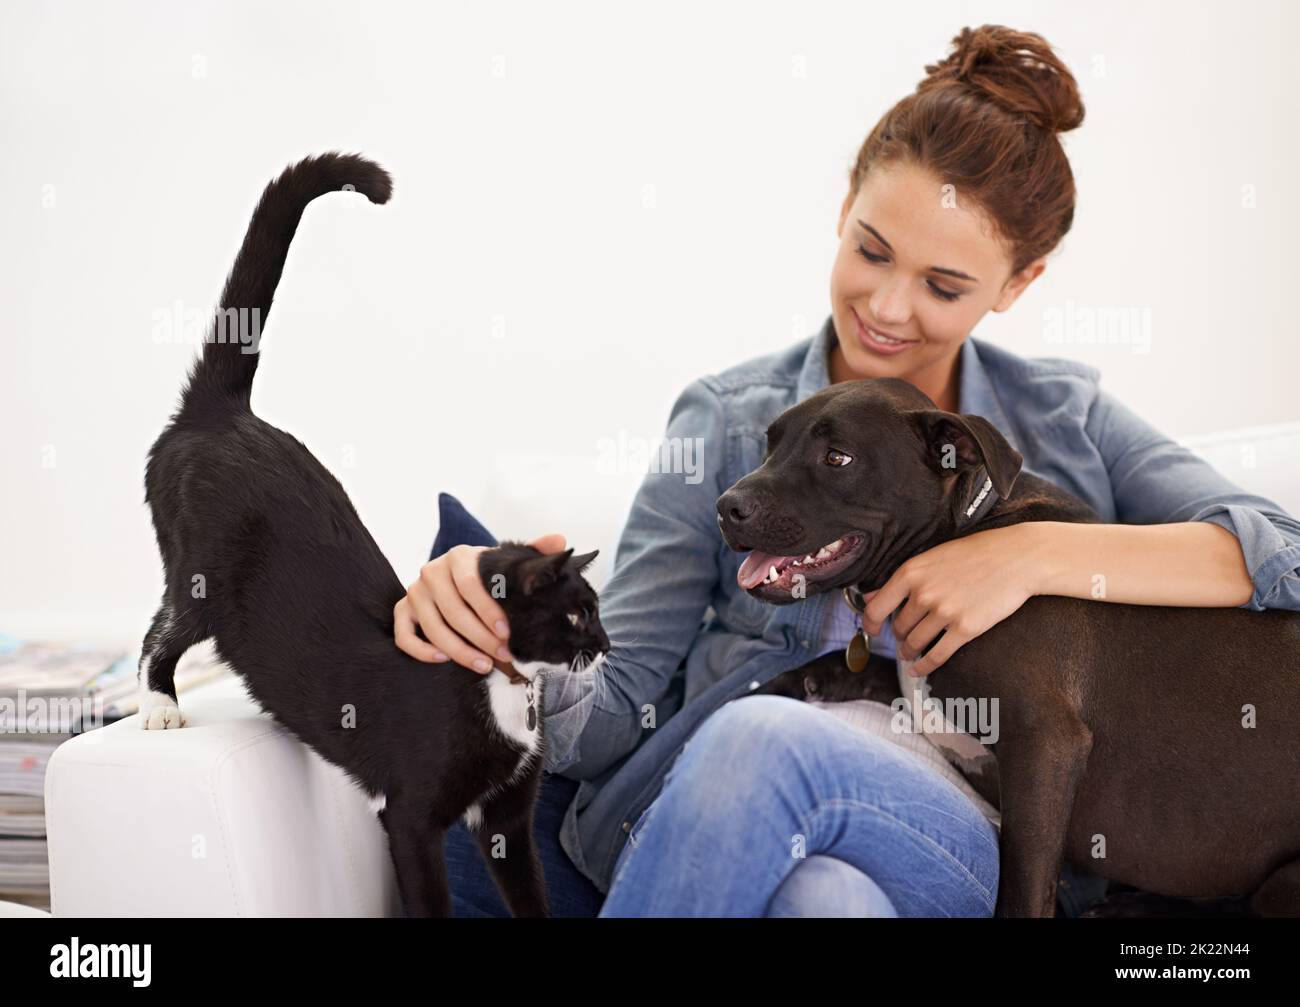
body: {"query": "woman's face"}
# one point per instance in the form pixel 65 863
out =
pixel 917 263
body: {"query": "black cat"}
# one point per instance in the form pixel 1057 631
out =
pixel 265 554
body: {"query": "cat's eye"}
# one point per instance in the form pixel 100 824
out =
pixel 837 458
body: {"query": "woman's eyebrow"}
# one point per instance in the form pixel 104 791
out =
pixel 934 269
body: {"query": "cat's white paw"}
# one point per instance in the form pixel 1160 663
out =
pixel 159 712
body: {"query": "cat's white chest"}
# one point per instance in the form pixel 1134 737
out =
pixel 509 704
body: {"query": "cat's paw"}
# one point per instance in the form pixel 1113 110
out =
pixel 159 712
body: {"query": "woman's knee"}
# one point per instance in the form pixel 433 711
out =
pixel 738 747
pixel 753 727
pixel 823 886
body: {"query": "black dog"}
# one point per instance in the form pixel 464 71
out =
pixel 264 553
pixel 1122 722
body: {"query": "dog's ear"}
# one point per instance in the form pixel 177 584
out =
pixel 957 441
pixel 539 571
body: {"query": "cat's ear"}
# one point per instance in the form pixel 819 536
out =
pixel 581 563
pixel 542 571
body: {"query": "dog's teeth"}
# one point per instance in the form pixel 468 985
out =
pixel 836 544
pixel 772 573
pixel 808 558
pixel 823 552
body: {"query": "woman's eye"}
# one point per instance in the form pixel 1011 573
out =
pixel 945 295
pixel 838 458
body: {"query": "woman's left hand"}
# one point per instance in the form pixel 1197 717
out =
pixel 961 588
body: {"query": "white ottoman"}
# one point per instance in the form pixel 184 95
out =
pixel 228 816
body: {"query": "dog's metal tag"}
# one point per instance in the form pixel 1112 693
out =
pixel 532 707
pixel 858 651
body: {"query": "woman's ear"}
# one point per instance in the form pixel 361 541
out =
pixel 1016 285
pixel 956 442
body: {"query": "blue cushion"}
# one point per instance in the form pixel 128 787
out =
pixel 457 526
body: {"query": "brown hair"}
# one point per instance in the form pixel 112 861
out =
pixel 985 120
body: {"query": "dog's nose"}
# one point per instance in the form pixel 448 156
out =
pixel 736 508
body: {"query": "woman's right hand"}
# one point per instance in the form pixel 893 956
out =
pixel 460 620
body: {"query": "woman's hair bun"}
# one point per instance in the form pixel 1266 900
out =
pixel 1017 70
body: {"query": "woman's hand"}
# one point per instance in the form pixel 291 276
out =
pixel 461 621
pixel 961 588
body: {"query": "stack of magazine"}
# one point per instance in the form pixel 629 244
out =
pixel 50 692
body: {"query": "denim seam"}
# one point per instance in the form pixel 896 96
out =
pixel 990 899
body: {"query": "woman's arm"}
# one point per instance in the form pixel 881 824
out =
pixel 1191 563
pixel 1163 553
pixel 1158 482
pixel 664 577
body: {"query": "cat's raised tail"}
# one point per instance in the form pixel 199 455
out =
pixel 222 377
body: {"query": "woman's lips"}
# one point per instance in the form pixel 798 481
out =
pixel 883 349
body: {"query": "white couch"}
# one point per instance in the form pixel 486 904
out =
pixel 231 816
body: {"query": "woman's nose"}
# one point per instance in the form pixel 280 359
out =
pixel 890 306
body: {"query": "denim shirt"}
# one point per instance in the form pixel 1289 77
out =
pixel 686 639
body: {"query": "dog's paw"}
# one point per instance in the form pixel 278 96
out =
pixel 159 712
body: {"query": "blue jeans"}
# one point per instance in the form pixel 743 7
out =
pixel 773 808
pixel 770 787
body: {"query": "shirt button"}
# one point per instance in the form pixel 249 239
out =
pixel 806 644
pixel 627 826
pixel 753 686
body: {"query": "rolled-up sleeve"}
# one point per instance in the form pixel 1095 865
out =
pixel 1155 480
pixel 665 573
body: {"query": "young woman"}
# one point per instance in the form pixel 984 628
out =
pixel 664 796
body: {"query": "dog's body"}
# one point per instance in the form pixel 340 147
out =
pixel 1154 746
pixel 265 554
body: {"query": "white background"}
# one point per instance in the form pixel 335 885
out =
pixel 595 204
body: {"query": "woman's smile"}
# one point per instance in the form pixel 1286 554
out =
pixel 876 341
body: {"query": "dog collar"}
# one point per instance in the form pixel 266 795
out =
pixel 983 502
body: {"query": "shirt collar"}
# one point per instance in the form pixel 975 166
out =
pixel 975 393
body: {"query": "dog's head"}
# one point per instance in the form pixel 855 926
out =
pixel 856 479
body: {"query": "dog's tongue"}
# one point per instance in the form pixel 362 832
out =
pixel 753 571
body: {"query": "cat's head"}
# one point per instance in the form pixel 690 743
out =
pixel 552 611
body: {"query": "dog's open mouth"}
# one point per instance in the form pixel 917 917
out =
pixel 779 574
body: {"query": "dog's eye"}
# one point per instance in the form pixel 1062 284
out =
pixel 574 618
pixel 834 457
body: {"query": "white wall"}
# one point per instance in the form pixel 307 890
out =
pixel 595 203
